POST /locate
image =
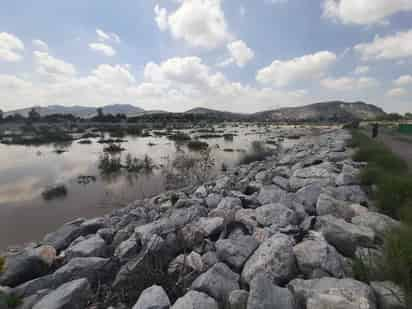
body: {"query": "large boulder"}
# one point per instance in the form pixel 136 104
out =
pixel 327 205
pixel 23 267
pixel 238 299
pixel 64 236
pixel 332 293
pixel 218 282
pixel 236 251
pixel 270 194
pixel 348 176
pixel 314 254
pixel 353 194
pixel 275 214
pixel 74 294
pixel 309 196
pixel 264 294
pixel 388 295
pixel 92 246
pixel 344 236
pixel 94 269
pixel 195 300
pixel 146 268
pixel 379 223
pixel 154 297
pixel 275 258
pixel 227 208
pixel 127 249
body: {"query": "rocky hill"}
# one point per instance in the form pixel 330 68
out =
pixel 280 233
pixel 337 111
pixel 79 111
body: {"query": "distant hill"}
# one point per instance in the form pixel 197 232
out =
pixel 335 111
pixel 80 111
pixel 338 111
pixel 216 113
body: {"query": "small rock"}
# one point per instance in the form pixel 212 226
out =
pixel 264 294
pixel 270 194
pixel 93 246
pixel 195 300
pixel 236 251
pixel 218 282
pixel 153 298
pixel 275 214
pixel 388 295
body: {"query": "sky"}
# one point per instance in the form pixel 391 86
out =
pixel 234 55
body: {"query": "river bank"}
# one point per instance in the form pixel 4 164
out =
pixel 282 233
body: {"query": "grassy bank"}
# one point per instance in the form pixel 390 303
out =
pixel 390 184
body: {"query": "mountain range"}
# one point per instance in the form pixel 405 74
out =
pixel 331 111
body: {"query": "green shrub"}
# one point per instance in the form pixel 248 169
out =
pixel 398 259
pixel 393 196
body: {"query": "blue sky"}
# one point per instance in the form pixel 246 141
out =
pixel 173 55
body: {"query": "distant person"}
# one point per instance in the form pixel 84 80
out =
pixel 375 130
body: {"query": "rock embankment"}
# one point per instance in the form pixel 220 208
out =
pixel 281 233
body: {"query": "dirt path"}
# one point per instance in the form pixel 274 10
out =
pixel 399 144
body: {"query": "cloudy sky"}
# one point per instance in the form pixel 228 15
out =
pixel 237 55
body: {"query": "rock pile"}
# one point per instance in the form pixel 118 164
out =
pixel 281 233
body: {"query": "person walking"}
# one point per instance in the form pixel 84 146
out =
pixel 375 130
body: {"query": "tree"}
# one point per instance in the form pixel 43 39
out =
pixel 1 115
pixel 34 115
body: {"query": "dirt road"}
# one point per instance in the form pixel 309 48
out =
pixel 400 144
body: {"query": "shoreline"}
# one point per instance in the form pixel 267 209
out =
pixel 290 226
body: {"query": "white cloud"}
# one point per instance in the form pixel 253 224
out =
pixel 161 17
pixel 397 92
pixel 114 75
pixel 40 45
pixel 363 69
pixel 104 49
pixel 404 80
pixel 348 83
pixel 242 11
pixel 281 73
pixel 240 52
pixel 10 47
pixel 364 12
pixel 51 67
pixel 105 36
pixel 175 84
pixel 201 23
pixel 387 48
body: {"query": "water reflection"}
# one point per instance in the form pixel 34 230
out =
pixel 25 172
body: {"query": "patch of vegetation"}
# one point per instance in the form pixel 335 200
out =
pixel 85 142
pixel 179 137
pixel 113 148
pixel 258 152
pixel 2 263
pixel 197 145
pixel 393 196
pixel 206 136
pixel 228 150
pixel 58 191
pixel 229 137
pixel 9 301
pixel 109 164
pixel 385 170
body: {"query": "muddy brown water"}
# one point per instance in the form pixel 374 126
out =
pixel 25 172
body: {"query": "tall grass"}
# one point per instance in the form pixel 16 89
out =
pixel 392 194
